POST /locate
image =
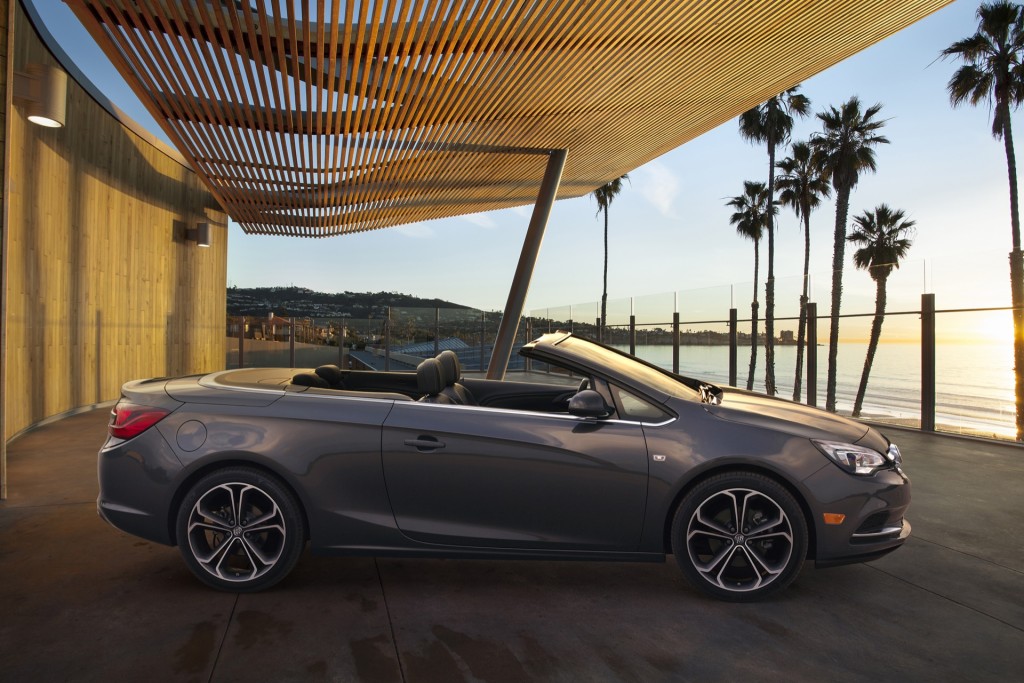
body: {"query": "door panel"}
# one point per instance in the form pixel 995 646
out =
pixel 462 475
pixel 545 398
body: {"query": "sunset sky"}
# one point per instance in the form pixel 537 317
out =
pixel 670 227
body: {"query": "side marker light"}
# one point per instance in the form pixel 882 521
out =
pixel 833 518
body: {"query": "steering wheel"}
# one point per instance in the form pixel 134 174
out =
pixel 584 384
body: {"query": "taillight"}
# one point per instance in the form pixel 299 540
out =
pixel 128 420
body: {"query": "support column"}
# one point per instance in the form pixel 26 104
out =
pixel 509 325
pixel 6 36
pixel 928 362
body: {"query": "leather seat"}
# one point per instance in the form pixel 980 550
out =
pixel 309 379
pixel 452 374
pixel 430 382
pixel 333 375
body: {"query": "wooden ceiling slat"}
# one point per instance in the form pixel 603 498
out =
pixel 337 116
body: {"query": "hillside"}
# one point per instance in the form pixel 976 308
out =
pixel 302 302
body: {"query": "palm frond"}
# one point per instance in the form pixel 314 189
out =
pixel 884 235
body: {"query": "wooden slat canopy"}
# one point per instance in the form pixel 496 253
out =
pixel 319 118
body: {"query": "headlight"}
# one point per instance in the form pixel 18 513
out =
pixel 894 455
pixel 854 459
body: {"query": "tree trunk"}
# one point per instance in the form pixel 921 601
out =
pixel 604 286
pixel 876 332
pixel 753 326
pixel 769 287
pixel 838 254
pixel 802 329
pixel 1016 280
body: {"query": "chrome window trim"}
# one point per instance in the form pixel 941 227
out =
pixel 537 413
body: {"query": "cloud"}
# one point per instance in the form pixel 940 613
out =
pixel 415 230
pixel 658 185
pixel 481 220
pixel 524 211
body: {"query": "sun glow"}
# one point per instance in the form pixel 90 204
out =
pixel 989 327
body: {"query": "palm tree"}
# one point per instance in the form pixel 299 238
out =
pixel 802 187
pixel 771 123
pixel 993 73
pixel 604 196
pixel 750 218
pixel 843 150
pixel 885 239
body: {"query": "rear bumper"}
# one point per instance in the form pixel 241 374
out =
pixel 134 479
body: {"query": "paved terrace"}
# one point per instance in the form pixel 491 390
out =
pixel 80 601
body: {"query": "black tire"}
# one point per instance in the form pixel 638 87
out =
pixel 734 561
pixel 245 554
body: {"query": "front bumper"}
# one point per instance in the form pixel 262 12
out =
pixel 873 508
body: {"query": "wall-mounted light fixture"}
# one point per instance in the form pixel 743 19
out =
pixel 42 91
pixel 199 234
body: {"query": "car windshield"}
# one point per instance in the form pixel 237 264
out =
pixel 643 372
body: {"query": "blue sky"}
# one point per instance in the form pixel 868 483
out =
pixel 669 227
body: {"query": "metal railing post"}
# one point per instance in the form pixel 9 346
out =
pixel 483 331
pixel 387 342
pixel 241 342
pixel 528 364
pixel 291 342
pixel 341 346
pixel 675 342
pixel 812 353
pixel 928 362
pixel 600 332
pixel 632 335
pixel 733 345
pixel 437 330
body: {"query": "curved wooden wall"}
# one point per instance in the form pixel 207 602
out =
pixel 102 286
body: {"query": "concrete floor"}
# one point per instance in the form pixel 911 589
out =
pixel 80 601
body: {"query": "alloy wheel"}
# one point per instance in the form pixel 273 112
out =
pixel 236 532
pixel 739 540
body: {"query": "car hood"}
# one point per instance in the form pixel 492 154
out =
pixel 786 416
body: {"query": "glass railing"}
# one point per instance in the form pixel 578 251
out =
pixel 689 331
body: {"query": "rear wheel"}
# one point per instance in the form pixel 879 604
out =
pixel 240 529
pixel 739 536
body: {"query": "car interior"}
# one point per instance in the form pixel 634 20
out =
pixel 439 380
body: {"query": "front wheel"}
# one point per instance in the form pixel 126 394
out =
pixel 240 530
pixel 739 536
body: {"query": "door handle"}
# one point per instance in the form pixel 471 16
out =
pixel 424 444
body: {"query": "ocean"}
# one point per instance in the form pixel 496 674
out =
pixel 974 381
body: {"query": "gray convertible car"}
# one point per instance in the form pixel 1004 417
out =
pixel 241 468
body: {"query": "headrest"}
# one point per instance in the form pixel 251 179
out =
pixel 429 379
pixel 450 366
pixel 308 379
pixel 331 374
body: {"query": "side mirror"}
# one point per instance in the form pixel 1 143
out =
pixel 588 403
